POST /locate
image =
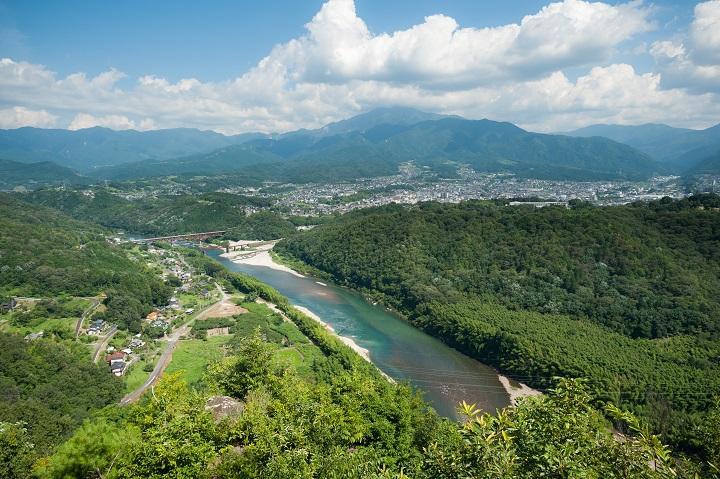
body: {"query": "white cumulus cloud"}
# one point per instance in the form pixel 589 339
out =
pixel 19 116
pixel 115 122
pixel 438 52
pixel 555 69
pixel 705 32
pixel 694 63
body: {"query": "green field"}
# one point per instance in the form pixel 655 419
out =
pixel 294 350
pixel 54 316
pixel 135 377
pixel 193 356
pixel 299 357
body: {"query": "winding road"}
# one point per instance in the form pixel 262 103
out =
pixel 102 345
pixel 95 302
pixel 160 366
pixel 172 341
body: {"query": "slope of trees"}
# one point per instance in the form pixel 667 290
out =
pixel 348 423
pixel 626 296
pixel 642 270
pixel 50 388
pixel 151 215
pixel 44 253
pixel 353 426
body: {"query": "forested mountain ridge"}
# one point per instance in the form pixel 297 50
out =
pixel 552 291
pixel 710 165
pixel 165 215
pixel 14 173
pixel 613 265
pixel 442 144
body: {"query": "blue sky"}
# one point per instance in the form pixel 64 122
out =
pixel 216 40
pixel 208 56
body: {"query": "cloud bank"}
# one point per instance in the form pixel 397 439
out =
pixel 553 70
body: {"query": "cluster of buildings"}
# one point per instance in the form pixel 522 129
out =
pixel 344 197
pixel 8 306
pixel 118 360
pixel 96 328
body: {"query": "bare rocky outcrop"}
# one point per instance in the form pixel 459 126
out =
pixel 224 406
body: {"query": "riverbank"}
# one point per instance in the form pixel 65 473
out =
pixel 397 348
pixel 362 352
pixel 261 257
pixel 514 389
pixel 517 390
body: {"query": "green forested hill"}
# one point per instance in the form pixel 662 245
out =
pixel 89 148
pixel 347 422
pixel 166 215
pixel 13 173
pixel 710 165
pixel 598 282
pixel 644 271
pixel 45 253
pixel 678 148
pixel 51 388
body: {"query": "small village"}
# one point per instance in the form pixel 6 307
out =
pixel 121 350
pixel 190 290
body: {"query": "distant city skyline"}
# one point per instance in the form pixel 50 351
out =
pixel 282 65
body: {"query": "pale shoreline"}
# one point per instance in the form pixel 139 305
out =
pixel 362 352
pixel 263 258
pixel 259 258
pixel 517 393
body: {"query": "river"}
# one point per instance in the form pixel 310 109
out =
pixel 401 351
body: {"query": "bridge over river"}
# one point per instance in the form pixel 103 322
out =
pixel 189 236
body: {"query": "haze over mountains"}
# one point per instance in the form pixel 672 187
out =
pixel 90 148
pixel 680 149
pixel 373 144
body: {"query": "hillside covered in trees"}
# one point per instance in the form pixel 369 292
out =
pixel 167 214
pixel 51 388
pixel 45 253
pixel 345 420
pixel 377 142
pixel 628 297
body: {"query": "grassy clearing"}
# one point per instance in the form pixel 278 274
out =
pixel 294 348
pixel 54 316
pixel 300 358
pixel 193 356
pixel 136 377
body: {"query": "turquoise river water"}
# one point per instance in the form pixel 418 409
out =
pixel 401 351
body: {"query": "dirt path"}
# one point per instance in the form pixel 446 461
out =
pixel 223 308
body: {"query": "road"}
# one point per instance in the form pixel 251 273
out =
pixel 167 352
pixel 160 366
pixel 95 303
pixel 102 346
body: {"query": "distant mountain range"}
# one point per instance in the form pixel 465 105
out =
pixel 679 149
pixel 90 148
pixel 376 143
pixel 710 165
pixel 371 144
